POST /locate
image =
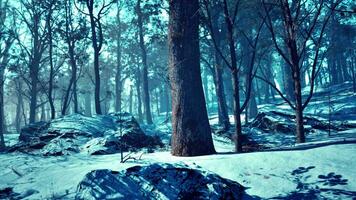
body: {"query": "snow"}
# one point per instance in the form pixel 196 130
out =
pixel 265 174
pixel 322 168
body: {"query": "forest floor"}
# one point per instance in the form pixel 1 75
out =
pixel 322 168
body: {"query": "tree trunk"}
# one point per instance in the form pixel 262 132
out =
pixel 51 73
pixel 146 93
pixel 96 32
pixel 33 90
pixel 253 110
pixel 138 91
pixel 75 93
pixel 191 130
pixel 288 84
pixel 295 68
pixel 118 83
pixel 299 108
pixel 220 93
pixel 19 105
pixel 73 79
pixel 206 89
pixel 130 99
pixel 2 115
pixel 235 80
pixel 88 103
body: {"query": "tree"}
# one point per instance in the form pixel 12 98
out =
pixel 146 93
pixel 36 27
pixel 49 18
pixel 191 131
pixel 74 31
pixel 6 41
pixel 118 81
pixel 97 40
pixel 230 16
pixel 298 32
pixel 218 68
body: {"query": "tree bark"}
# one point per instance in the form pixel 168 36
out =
pixel 191 131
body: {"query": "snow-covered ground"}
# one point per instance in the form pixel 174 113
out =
pixel 325 171
pixel 323 168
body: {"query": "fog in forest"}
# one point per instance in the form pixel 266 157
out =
pixel 151 84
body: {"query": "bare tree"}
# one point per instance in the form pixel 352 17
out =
pixel 97 40
pixel 230 16
pixel 297 33
pixel 33 15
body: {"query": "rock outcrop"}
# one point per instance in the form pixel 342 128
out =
pixel 102 134
pixel 157 181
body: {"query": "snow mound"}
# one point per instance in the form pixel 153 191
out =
pixel 157 181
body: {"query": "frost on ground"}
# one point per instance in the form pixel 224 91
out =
pixel 322 168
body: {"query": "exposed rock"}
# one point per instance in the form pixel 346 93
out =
pixel 157 181
pixel 285 123
pixel 8 193
pixel 138 140
pixel 102 134
pixel 60 146
pixel 33 131
pixel 273 122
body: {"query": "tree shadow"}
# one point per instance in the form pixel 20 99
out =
pixel 323 188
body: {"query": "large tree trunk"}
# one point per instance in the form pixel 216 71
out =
pixel 191 131
pixel 146 93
